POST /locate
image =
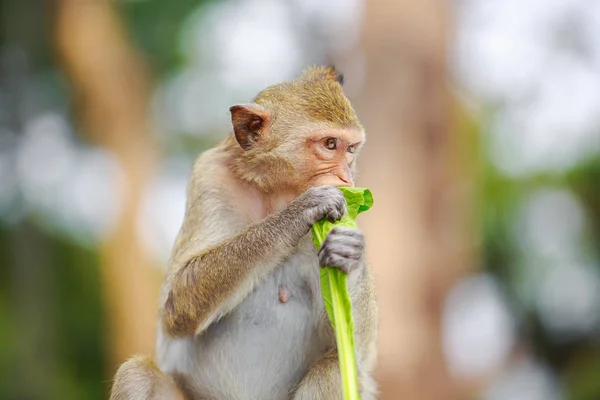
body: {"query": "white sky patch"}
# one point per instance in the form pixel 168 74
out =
pixel 539 61
pixel 478 329
pixel 256 54
pixel 339 21
pixel 196 102
pixel 550 227
pixel 551 224
pixel 73 187
pixel 163 209
pixel 9 211
pixel 89 200
pixel 231 57
pixel 569 301
pixel 45 157
pixel 527 380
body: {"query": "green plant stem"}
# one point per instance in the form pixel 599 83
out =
pixel 346 354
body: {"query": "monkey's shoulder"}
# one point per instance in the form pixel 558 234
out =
pixel 210 167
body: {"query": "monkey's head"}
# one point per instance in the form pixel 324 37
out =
pixel 297 134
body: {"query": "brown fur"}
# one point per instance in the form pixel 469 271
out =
pixel 316 95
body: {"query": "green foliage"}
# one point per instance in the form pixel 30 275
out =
pixel 155 26
pixel 576 360
pixel 52 335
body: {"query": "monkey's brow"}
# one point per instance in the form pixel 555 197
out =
pixel 355 144
pixel 347 138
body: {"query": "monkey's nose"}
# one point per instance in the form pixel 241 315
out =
pixel 345 176
pixel 347 180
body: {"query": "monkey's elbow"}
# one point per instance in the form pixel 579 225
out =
pixel 177 322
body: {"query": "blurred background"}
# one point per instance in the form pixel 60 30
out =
pixel 483 154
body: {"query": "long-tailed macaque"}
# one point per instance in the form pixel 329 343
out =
pixel 241 314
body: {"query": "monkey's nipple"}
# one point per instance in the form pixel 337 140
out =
pixel 284 294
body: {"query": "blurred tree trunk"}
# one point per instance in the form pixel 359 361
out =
pixel 112 93
pixel 419 237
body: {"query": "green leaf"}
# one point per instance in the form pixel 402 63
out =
pixel 334 290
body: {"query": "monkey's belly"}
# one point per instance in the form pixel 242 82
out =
pixel 262 349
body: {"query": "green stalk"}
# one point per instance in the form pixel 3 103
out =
pixel 345 342
pixel 336 297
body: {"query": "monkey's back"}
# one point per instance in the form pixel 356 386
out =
pixel 250 355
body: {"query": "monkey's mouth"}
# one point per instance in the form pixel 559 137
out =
pixel 333 181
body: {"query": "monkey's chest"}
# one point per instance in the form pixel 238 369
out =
pixel 266 345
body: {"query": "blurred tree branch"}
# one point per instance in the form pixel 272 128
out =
pixel 417 170
pixel 111 89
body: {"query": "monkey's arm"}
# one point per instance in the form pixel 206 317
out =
pixel 205 283
pixel 365 313
pixel 211 283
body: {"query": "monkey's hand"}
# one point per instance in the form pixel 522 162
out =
pixel 319 202
pixel 343 248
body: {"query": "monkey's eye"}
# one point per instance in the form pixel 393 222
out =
pixel 351 149
pixel 329 143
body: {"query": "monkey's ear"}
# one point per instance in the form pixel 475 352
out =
pixel 248 122
pixel 322 72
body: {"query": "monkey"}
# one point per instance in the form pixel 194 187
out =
pixel 241 315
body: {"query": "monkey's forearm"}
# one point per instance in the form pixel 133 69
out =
pixel 365 312
pixel 212 283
